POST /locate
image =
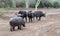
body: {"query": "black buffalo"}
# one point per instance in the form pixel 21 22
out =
pixel 23 14
pixel 39 14
pixel 31 15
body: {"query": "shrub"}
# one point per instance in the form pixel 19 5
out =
pixel 56 5
pixel 20 4
pixel 5 3
pixel 41 5
pixel 32 5
pixel 1 5
pixel 47 4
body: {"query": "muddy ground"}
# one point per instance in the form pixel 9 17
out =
pixel 48 26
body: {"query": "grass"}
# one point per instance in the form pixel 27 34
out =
pixel 2 9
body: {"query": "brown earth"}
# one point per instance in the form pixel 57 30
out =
pixel 48 26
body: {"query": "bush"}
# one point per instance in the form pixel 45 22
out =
pixel 1 5
pixel 41 5
pixel 47 4
pixel 56 5
pixel 32 5
pixel 5 3
pixel 20 4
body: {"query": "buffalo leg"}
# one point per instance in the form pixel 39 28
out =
pixel 26 19
pixel 31 19
pixel 13 28
pixel 39 18
pixel 23 25
pixel 19 27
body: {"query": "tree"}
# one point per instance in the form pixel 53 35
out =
pixel 27 4
pixel 37 4
pixel 13 3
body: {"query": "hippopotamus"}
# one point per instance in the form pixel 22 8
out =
pixel 39 14
pixel 16 21
pixel 24 14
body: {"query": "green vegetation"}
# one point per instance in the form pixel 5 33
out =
pixel 48 4
pixel 2 9
pixel 5 3
pixel 22 3
pixel 56 5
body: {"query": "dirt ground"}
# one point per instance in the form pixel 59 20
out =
pixel 48 26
